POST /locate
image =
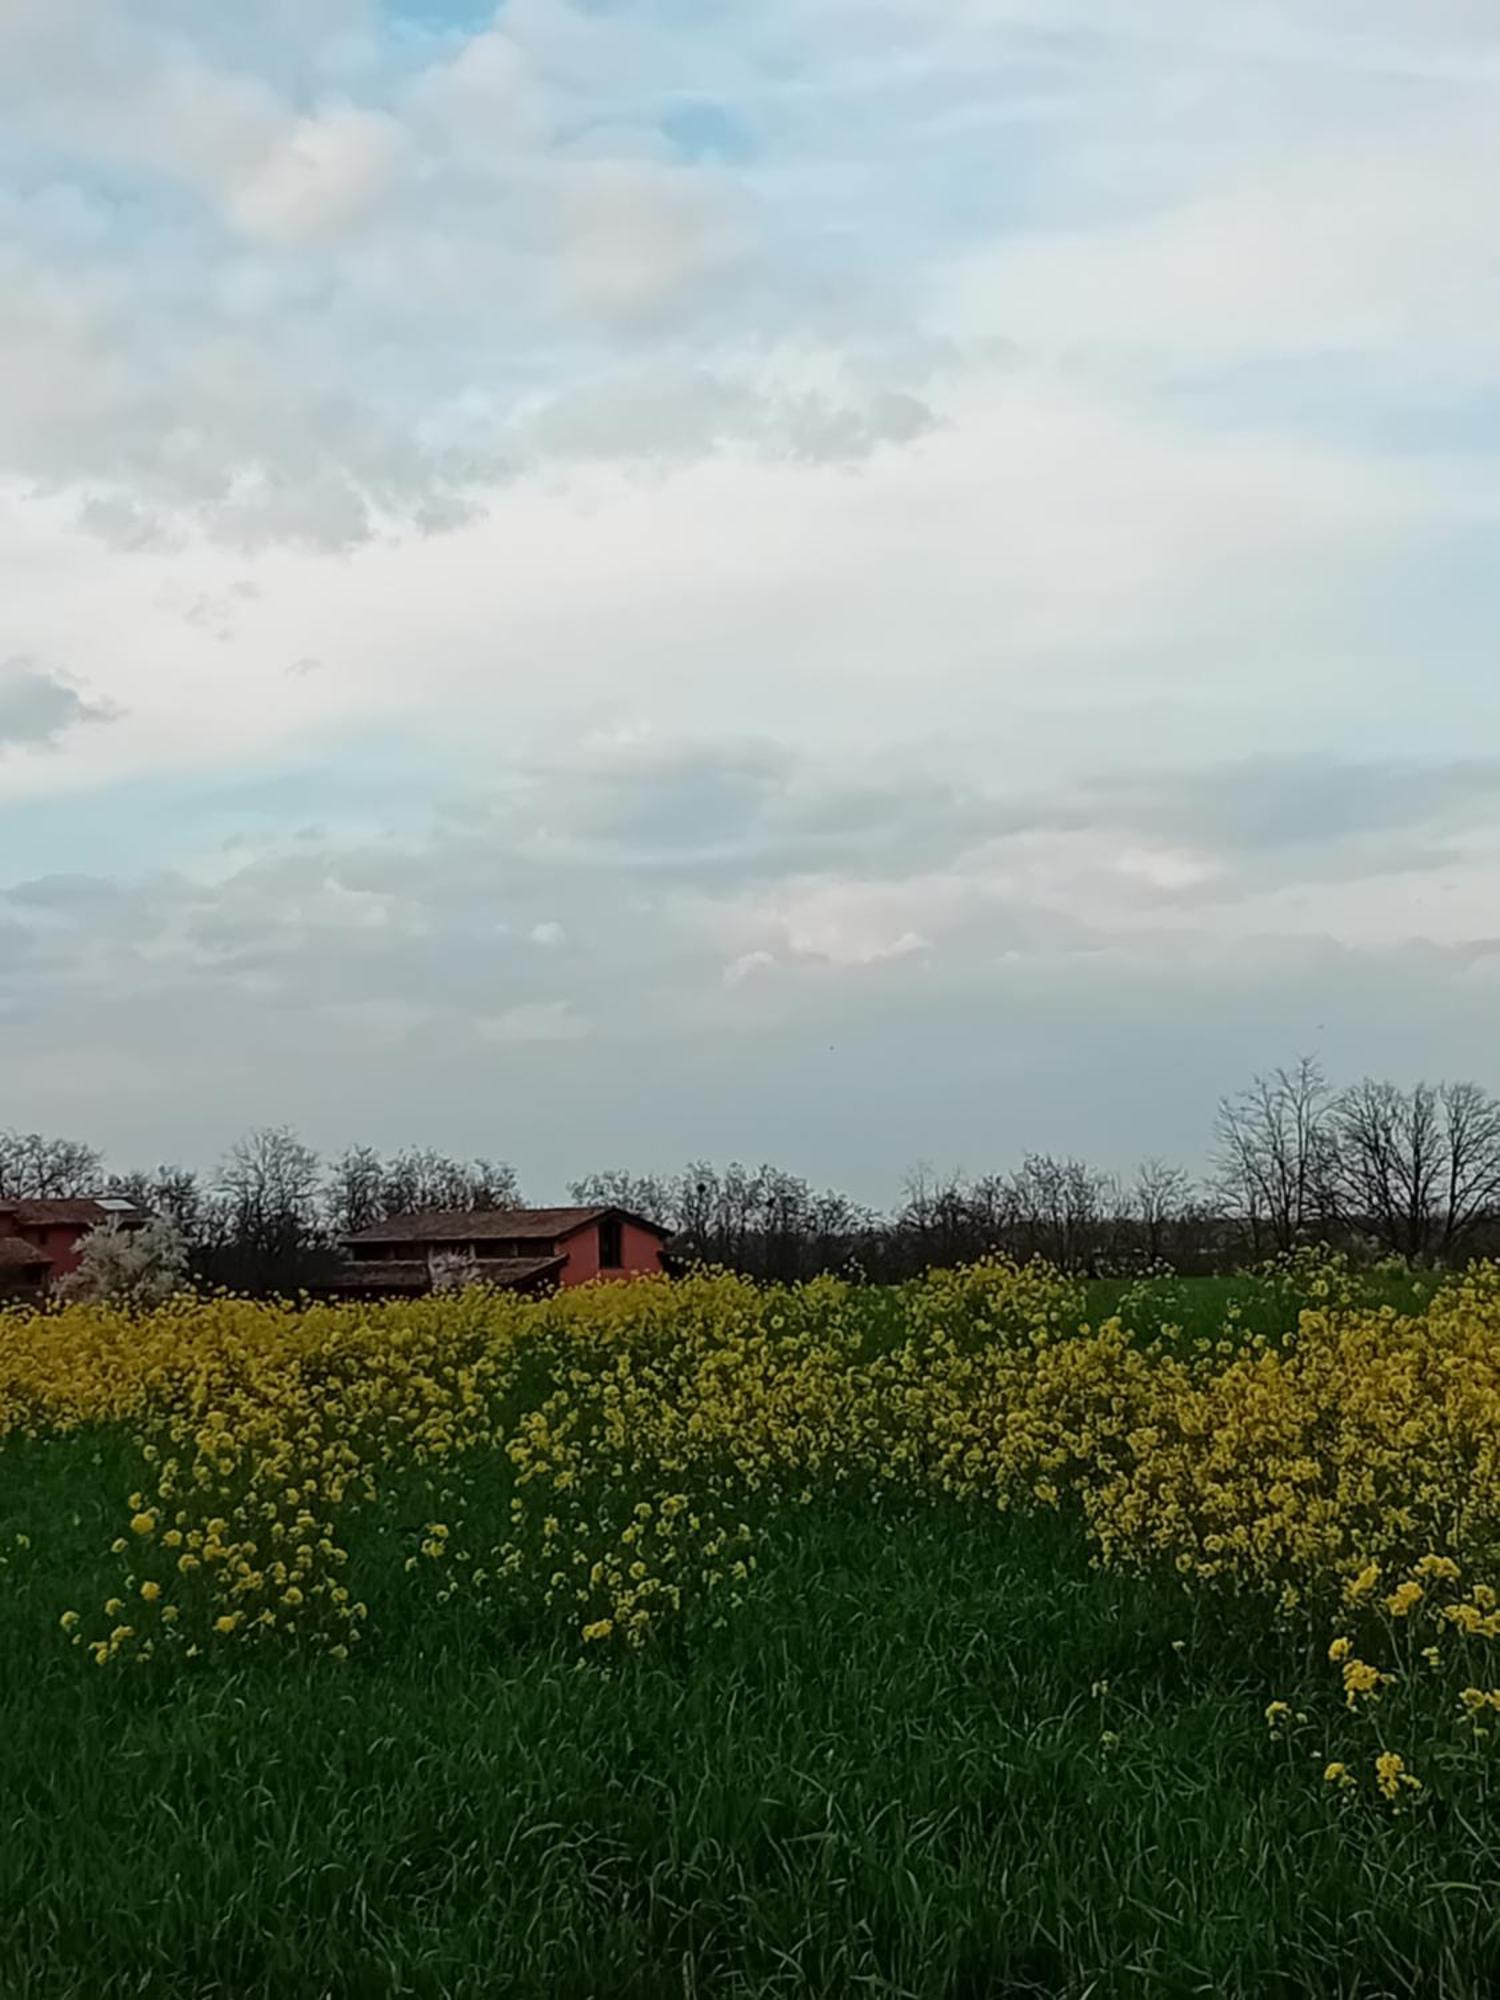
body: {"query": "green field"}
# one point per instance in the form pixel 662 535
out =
pixel 937 1752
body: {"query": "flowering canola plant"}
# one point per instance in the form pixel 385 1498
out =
pixel 609 1465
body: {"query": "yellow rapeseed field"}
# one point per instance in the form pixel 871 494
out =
pixel 614 1459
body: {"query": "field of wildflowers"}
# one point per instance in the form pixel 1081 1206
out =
pixel 698 1638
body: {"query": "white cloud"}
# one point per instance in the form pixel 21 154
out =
pixel 327 172
pixel 747 965
pixel 1364 248
pixel 638 237
pixel 855 508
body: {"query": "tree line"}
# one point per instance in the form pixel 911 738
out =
pixel 1377 1168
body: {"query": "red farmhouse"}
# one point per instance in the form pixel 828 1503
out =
pixel 40 1241
pixel 523 1249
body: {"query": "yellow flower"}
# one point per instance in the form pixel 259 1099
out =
pixel 1361 1678
pixel 1363 1584
pixel 143 1524
pixel 1278 1712
pixel 1341 1649
pixel 150 1590
pixel 1391 1775
pixel 1443 1568
pixel 229 1622
pixel 1337 1774
pixel 600 1629
pixel 69 1621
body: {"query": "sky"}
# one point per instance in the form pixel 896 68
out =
pixel 605 582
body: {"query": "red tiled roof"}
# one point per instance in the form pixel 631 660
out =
pixel 489 1225
pixel 16 1255
pixel 414 1274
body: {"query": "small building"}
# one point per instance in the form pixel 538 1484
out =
pixel 41 1241
pixel 520 1249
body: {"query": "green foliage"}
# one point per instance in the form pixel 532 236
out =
pixel 939 1752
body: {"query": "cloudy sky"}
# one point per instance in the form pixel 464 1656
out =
pixel 612 580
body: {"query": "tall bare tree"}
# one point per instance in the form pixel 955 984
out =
pixel 1274 1157
pixel 1389 1146
pixel 1471 1183
pixel 1419 1168
pixel 1157 1202
pixel 354 1191
pixel 268 1210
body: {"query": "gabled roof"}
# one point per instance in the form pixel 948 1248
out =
pixel 414 1274
pixel 16 1255
pixel 492 1225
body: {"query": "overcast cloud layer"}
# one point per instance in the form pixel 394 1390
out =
pixel 847 584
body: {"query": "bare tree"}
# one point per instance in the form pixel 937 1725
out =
pixel 1274 1159
pixel 420 1178
pixel 1419 1168
pixel 642 1194
pixel 1389 1146
pixel 1158 1201
pixel 354 1191
pixel 1063 1210
pixel 268 1210
pixel 173 1192
pixel 36 1168
pixel 1471 1185
pixel 937 1219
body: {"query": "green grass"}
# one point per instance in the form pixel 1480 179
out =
pixel 893 1773
pixel 937 1754
pixel 1202 1307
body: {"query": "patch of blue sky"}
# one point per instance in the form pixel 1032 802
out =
pixel 190 822
pixel 461 16
pixel 698 128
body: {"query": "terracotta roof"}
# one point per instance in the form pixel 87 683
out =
pixel 490 1225
pixel 18 1256
pixel 414 1274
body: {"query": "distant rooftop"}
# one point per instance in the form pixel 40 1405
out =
pixel 85 1209
pixel 490 1225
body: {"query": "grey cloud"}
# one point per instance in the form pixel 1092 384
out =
pixel 38 707
pixel 1274 803
pixel 628 851
pixel 649 854
pixel 394 989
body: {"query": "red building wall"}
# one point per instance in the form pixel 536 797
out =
pixel 63 1243
pixel 640 1254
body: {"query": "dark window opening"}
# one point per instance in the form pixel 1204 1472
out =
pixel 611 1245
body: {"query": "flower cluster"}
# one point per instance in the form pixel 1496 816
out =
pixel 608 1464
